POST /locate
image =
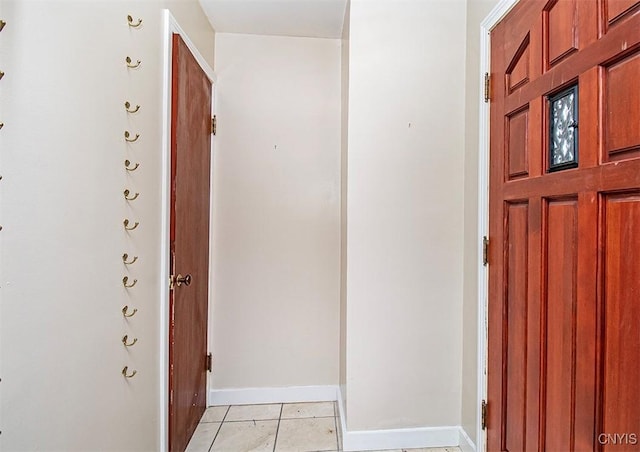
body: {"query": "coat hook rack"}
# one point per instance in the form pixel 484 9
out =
pixel 127 137
pixel 131 64
pixel 125 259
pixel 128 197
pixel 2 24
pixel 126 374
pixel 132 24
pixel 126 313
pixel 125 282
pixel 125 341
pixel 130 228
pixel 127 166
pixel 127 106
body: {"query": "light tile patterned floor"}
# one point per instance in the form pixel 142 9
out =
pixel 278 427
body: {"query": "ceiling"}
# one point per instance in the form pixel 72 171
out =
pixel 304 18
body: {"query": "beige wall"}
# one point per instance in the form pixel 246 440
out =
pixel 344 162
pixel 61 161
pixel 477 10
pixel 276 269
pixel 405 208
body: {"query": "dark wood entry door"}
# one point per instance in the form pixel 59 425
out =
pixel 564 277
pixel 189 235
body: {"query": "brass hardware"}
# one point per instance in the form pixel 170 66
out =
pixel 1 125
pixel 485 250
pixel 484 414
pixel 131 24
pixel 130 228
pixel 132 65
pixel 487 87
pixel 125 312
pixel 130 198
pixel 127 164
pixel 125 259
pixel 2 24
pixel 125 282
pixel 126 374
pixel 127 137
pixel 1 75
pixel 180 280
pixel 127 106
pixel 209 362
pixel 214 125
pixel 125 341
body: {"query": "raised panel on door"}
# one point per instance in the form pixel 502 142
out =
pixel 621 319
pixel 560 319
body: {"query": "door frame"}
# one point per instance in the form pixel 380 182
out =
pixel 489 23
pixel 171 26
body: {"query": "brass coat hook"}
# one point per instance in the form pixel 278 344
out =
pixel 130 228
pixel 1 75
pixel 125 282
pixel 127 106
pixel 125 312
pixel 133 25
pixel 127 165
pixel 127 196
pixel 2 24
pixel 131 64
pixel 126 374
pixel 125 341
pixel 125 259
pixel 1 125
pixel 127 137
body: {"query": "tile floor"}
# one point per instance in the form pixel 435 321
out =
pixel 278 427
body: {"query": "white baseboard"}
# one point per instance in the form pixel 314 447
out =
pixel 290 394
pixel 408 438
pixel 466 445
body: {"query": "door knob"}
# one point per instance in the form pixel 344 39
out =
pixel 180 280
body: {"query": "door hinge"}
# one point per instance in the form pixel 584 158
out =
pixel 487 87
pixel 209 362
pixel 484 415
pixel 485 250
pixel 214 124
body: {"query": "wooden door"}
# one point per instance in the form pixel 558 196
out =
pixel 564 277
pixel 189 235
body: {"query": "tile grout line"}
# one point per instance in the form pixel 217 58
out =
pixel 219 428
pixel 275 441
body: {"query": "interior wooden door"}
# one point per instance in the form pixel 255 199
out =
pixel 189 235
pixel 564 256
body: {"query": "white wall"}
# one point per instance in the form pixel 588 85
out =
pixel 61 158
pixel 276 269
pixel 405 213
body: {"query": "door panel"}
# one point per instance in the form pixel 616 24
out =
pixel 515 351
pixel 561 266
pixel 621 101
pixel 621 372
pixel 190 195
pixel 564 271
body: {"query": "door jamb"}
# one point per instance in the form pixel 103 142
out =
pixel 171 26
pixel 489 22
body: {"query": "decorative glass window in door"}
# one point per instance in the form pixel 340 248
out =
pixel 563 129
